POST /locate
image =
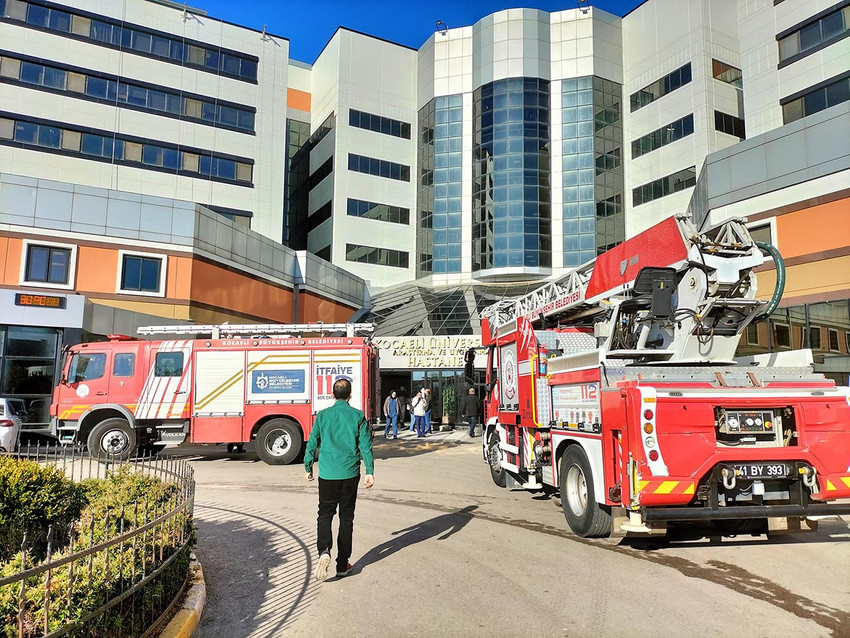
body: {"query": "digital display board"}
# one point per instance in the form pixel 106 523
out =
pixel 39 301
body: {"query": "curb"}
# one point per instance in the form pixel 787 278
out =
pixel 186 619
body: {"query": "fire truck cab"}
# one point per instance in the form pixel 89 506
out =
pixel 261 383
pixel 617 386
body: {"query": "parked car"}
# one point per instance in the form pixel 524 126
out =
pixel 11 415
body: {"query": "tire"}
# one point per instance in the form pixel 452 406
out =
pixel 494 456
pixel 112 439
pixel 279 442
pixel 584 515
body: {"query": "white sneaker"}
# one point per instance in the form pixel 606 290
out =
pixel 321 572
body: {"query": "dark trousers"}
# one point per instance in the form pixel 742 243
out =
pixel 342 492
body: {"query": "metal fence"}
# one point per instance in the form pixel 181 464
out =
pixel 111 573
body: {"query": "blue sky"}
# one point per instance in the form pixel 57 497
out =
pixel 310 24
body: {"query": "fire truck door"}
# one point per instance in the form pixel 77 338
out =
pixel 219 397
pixel 88 380
pixel 165 395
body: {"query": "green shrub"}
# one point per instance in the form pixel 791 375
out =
pixel 32 498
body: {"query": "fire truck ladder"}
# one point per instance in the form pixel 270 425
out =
pixel 227 330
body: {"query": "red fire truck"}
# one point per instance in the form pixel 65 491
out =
pixel 261 383
pixel 617 386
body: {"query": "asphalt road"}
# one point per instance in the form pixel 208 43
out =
pixel 439 550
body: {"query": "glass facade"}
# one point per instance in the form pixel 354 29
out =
pixel 511 198
pixel 28 370
pixel 439 186
pixel 594 217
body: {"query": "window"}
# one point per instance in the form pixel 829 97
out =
pixel 661 87
pixel 142 274
pixel 753 334
pixel 378 124
pixel 659 188
pixel 47 265
pixel 324 253
pixel 108 146
pixel 381 212
pixel 124 364
pixel 762 232
pixel 86 367
pixel 663 136
pixel 168 364
pixel 727 73
pixel 380 168
pixel 814 337
pixel 114 33
pixel 822 96
pixel 378 256
pixel 813 36
pixel 322 214
pixel 729 124
pixel 781 335
pixel 833 340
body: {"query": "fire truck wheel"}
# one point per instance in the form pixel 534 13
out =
pixel 279 441
pixel 112 439
pixel 494 457
pixel 584 515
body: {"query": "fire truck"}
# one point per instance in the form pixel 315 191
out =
pixel 617 386
pixel 261 383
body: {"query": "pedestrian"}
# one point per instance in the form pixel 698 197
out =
pixel 419 406
pixel 471 409
pixel 345 437
pixel 428 410
pixel 392 412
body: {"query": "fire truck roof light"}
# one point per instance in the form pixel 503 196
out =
pixel 121 338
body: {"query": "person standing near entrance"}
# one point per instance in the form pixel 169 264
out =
pixel 471 409
pixel 419 405
pixel 392 412
pixel 428 410
pixel 345 437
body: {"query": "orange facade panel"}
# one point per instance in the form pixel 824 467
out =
pixel 97 269
pixel 814 230
pixel 239 292
pixel 10 262
pixel 298 99
pixel 312 308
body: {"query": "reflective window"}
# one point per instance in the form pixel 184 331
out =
pixel 511 196
pixel 381 212
pixel 379 124
pixel 378 256
pixel 729 124
pixel 124 364
pixel 663 136
pixel 818 99
pixel 86 367
pixel 661 87
pixel 141 274
pixel 168 364
pixel 378 167
pixel 48 264
pixel 815 35
pixel 143 41
pixel 727 73
pixel 322 214
pixel 678 181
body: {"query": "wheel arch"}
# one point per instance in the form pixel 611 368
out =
pixel 268 417
pixel 593 451
pixel 97 414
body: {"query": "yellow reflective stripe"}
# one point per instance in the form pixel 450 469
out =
pixel 689 490
pixel 846 480
pixel 829 486
pixel 666 487
pixel 642 485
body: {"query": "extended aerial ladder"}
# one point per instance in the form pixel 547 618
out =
pixel 670 294
pixel 228 330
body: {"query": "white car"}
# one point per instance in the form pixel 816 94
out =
pixel 10 423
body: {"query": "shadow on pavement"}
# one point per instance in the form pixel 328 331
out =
pixel 384 448
pixel 257 571
pixel 441 526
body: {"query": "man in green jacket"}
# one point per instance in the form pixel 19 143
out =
pixel 344 437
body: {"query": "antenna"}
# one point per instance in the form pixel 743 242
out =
pixel 442 27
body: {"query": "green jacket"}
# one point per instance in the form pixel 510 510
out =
pixel 344 437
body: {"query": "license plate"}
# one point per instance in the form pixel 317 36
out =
pixel 762 470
